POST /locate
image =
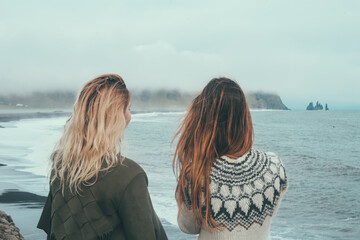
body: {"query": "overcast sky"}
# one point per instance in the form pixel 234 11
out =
pixel 302 50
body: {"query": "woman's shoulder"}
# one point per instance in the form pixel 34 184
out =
pixel 276 167
pixel 271 156
pixel 123 173
pixel 127 168
pixel 130 164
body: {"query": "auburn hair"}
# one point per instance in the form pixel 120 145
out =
pixel 218 123
pixel 91 139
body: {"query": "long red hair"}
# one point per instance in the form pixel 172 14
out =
pixel 218 123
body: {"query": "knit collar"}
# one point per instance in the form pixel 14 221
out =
pixel 241 159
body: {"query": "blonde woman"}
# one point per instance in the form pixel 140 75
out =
pixel 95 192
pixel 226 189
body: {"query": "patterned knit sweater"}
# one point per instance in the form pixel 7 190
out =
pixel 245 193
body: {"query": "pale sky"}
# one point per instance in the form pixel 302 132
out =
pixel 302 50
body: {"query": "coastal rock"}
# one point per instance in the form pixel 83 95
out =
pixel 318 106
pixel 260 100
pixel 145 100
pixel 8 230
pixel 326 107
pixel 310 106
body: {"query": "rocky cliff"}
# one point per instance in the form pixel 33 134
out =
pixel 175 100
pixel 260 100
pixel 8 230
pixel 146 100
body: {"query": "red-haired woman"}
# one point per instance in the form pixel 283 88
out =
pixel 226 189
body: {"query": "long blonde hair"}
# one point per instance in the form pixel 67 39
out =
pixel 218 123
pixel 92 135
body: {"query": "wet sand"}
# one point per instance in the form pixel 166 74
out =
pixel 15 196
pixel 13 187
pixel 6 117
pixel 23 194
pixel 24 207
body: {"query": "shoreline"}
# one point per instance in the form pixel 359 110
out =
pixel 29 114
pixel 16 115
pixel 12 189
pixel 18 202
pixel 15 196
pixel 7 117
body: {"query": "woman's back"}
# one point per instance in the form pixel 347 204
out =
pixel 244 194
pixel 225 190
pixel 95 193
pixel 117 206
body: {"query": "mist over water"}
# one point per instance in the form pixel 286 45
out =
pixel 51 45
pixel 319 149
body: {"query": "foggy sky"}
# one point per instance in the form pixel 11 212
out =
pixel 302 50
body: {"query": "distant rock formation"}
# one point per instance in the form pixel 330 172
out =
pixel 326 107
pixel 160 100
pixel 8 230
pixel 143 100
pixel 318 106
pixel 260 100
pixel 176 100
pixel 49 99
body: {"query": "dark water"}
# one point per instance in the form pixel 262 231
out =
pixel 319 149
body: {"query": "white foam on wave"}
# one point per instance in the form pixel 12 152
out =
pixel 157 113
pixel 266 110
pixel 154 116
pixel 31 142
pixel 38 137
pixel 165 207
pixel 162 184
pixel 274 237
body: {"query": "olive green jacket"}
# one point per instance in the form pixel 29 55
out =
pixel 117 206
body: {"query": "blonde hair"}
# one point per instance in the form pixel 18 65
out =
pixel 92 135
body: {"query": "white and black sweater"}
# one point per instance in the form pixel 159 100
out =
pixel 245 194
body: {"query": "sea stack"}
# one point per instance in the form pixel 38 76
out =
pixel 8 230
pixel 318 106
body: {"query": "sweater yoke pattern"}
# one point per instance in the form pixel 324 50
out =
pixel 247 190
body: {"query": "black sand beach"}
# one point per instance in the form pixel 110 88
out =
pixel 23 205
pixel 6 117
pixel 12 191
pixel 20 204
pixel 14 183
pixel 16 196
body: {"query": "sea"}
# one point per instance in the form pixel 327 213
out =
pixel 320 151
